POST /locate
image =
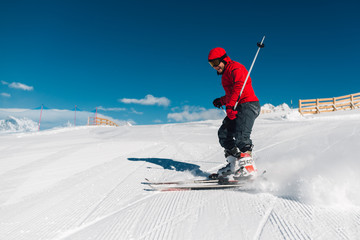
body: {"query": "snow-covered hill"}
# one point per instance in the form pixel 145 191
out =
pixel 86 182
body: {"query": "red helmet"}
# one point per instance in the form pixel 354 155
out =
pixel 217 55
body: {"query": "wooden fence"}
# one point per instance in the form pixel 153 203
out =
pixel 314 106
pixel 264 111
pixel 100 121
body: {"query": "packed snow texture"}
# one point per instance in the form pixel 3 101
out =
pixel 86 182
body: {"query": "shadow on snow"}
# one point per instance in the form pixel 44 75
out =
pixel 170 164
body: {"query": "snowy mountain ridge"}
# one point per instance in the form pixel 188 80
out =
pixel 280 108
pixel 13 124
pixel 25 120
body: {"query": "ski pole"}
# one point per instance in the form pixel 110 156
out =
pixel 260 45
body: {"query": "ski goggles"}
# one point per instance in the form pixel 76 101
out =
pixel 216 62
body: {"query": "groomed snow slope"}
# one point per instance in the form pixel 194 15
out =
pixel 86 182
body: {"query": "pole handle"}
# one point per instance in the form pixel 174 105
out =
pixel 261 44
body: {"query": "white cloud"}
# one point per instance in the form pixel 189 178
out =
pixel 5 95
pixel 136 112
pixel 18 85
pixel 21 86
pixel 148 100
pixel 192 113
pixel 111 109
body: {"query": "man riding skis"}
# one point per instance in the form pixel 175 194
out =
pixel 234 133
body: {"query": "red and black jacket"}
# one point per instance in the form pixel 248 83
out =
pixel 232 80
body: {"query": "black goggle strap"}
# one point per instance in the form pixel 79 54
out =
pixel 215 62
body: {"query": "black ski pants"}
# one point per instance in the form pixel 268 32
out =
pixel 237 132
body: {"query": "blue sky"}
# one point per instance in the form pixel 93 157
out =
pixel 146 61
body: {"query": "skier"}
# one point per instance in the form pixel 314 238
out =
pixel 234 133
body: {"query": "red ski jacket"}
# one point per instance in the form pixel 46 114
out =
pixel 232 80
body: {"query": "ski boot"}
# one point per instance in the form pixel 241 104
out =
pixel 231 156
pixel 246 167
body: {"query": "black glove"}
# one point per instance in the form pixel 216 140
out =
pixel 217 103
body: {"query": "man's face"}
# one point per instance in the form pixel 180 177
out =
pixel 220 68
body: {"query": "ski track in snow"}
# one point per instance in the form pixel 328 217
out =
pixel 82 184
pixel 264 220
